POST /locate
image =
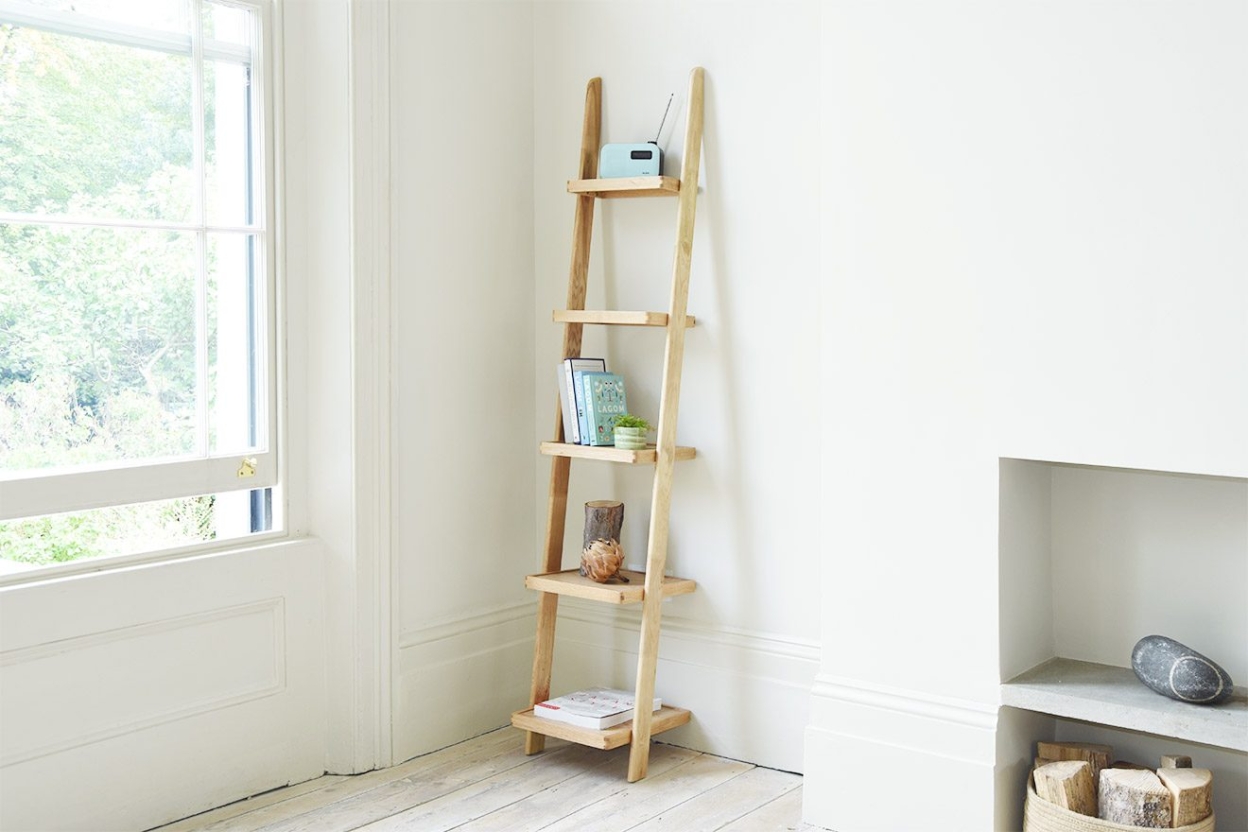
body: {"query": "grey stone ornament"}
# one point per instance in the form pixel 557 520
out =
pixel 1179 672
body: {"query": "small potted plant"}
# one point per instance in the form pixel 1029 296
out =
pixel 630 432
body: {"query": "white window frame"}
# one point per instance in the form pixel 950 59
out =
pixel 38 493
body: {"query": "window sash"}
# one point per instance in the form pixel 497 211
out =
pixel 111 31
pixel 122 484
pixel 38 493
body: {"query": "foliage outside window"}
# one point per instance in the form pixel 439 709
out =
pixel 136 277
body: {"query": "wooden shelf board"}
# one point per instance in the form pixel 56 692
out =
pixel 608 453
pixel 570 582
pixel 1114 696
pixel 615 318
pixel 665 719
pixel 623 187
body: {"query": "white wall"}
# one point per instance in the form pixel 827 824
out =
pixel 1030 248
pixel 743 513
pixel 461 86
pixel 1140 553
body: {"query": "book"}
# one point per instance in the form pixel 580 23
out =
pixel 578 393
pixel 568 397
pixel 605 401
pixel 591 708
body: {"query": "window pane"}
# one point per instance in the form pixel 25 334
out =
pixel 235 345
pixel 94 129
pixel 97 345
pixel 165 15
pixel 229 24
pixel 122 530
pixel 227 143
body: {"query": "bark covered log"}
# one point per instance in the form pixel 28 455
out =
pixel 603 521
pixel 601 554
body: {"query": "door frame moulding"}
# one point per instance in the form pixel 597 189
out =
pixel 371 646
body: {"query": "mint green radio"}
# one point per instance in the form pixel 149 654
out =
pixel 637 159
pixel 617 160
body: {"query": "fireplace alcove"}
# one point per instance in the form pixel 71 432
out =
pixel 1091 560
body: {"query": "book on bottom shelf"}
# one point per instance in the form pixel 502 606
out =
pixel 595 708
pixel 605 401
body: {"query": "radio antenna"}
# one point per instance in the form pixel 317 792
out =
pixel 664 119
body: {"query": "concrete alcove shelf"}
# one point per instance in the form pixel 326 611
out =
pixel 1114 696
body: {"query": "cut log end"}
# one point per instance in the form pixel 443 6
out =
pixel 1098 756
pixel 1176 761
pixel 1191 790
pixel 1134 798
pixel 1068 784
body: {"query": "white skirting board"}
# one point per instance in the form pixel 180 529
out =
pixel 749 692
pixel 865 739
pixel 460 678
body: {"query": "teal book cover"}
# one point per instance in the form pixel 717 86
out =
pixel 605 401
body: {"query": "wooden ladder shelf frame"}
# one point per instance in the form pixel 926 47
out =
pixel 664 455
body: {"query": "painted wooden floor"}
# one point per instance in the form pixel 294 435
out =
pixel 487 784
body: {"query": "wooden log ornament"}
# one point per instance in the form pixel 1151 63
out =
pixel 601 554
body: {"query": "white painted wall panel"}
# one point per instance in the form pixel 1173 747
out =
pixel 141 675
pixel 461 85
pixel 135 697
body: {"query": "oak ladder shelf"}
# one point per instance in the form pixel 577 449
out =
pixel 647 588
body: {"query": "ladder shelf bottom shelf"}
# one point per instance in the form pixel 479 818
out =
pixel 609 453
pixel 571 582
pixel 605 739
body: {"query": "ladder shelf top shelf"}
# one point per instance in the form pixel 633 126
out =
pixel 609 453
pixel 571 582
pixel 625 187
pixel 615 318
pixel 665 719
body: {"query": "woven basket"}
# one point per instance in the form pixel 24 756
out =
pixel 1042 816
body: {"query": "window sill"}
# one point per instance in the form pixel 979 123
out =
pixel 43 574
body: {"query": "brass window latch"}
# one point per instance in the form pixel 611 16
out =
pixel 248 468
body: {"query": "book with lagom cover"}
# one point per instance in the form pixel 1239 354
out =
pixel 605 401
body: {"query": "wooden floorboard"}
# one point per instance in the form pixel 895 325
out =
pixel 488 784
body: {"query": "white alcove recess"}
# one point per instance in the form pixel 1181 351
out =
pixel 1091 560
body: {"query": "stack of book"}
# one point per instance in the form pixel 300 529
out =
pixel 595 708
pixel 592 400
